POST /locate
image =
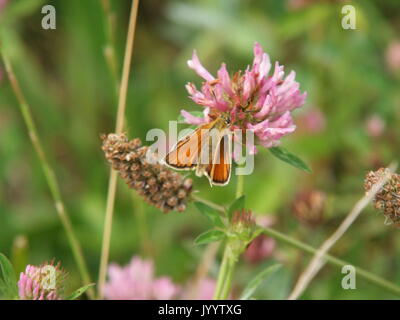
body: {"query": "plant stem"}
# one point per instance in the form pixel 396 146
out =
pixel 112 186
pixel 364 274
pixel 240 186
pixel 221 275
pixel 224 282
pixel 49 176
pixel 230 268
pixel 317 262
pixel 209 203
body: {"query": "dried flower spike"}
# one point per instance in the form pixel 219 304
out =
pixel 387 199
pixel 45 282
pixel 158 185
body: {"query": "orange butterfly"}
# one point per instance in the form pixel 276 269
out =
pixel 207 149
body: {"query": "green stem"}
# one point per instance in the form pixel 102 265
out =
pixel 228 277
pixel 364 274
pixel 209 203
pixel 49 176
pixel 221 275
pixel 225 275
pixel 240 186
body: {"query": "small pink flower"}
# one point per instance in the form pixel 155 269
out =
pixel 262 247
pixel 312 121
pixel 3 4
pixel 298 4
pixel 202 290
pixel 45 282
pixel 252 99
pixel 393 56
pixel 136 281
pixel 375 126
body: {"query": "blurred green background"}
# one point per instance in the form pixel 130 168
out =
pixel 348 126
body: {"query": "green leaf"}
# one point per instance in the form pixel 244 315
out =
pixel 289 158
pixel 209 236
pixel 77 293
pixel 257 280
pixel 9 282
pixel 238 204
pixel 211 213
pixel 199 114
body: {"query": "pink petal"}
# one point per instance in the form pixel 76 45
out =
pixel 261 62
pixel 225 80
pixel 164 289
pixel 191 119
pixel 196 65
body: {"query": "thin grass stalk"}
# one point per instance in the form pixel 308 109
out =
pixel 317 261
pixel 112 186
pixel 109 50
pixel 363 274
pixel 49 176
pixel 112 64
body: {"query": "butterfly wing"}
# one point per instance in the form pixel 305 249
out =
pixel 185 155
pixel 219 171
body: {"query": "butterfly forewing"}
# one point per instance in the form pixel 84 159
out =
pixel 186 153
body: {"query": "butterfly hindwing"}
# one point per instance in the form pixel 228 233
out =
pixel 219 170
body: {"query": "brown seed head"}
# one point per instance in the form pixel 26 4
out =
pixel 158 185
pixel 387 199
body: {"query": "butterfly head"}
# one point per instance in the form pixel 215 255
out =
pixel 226 117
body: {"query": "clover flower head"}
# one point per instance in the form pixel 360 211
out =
pixel 136 281
pixel 45 282
pixel 387 200
pixel 253 99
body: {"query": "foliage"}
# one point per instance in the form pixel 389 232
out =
pixel 66 80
